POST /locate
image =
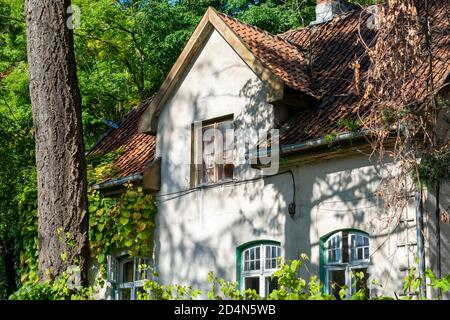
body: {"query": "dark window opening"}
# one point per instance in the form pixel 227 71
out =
pixel 252 283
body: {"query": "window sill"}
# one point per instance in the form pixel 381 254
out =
pixel 215 184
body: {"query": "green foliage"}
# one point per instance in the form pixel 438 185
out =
pixel 412 283
pixel 117 223
pixel 349 125
pixel 114 223
pixel 124 222
pixel 101 167
pixel 27 238
pixel 432 169
pixel 155 291
pixel 222 289
pixel 59 289
pixel 292 287
pixel 289 287
pixel 330 137
pixel 442 284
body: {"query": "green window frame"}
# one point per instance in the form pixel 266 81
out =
pixel 264 261
pixel 346 260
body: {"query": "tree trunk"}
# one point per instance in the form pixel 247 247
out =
pixel 60 161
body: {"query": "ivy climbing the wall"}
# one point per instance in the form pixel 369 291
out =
pixel 125 222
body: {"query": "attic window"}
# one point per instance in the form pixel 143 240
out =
pixel 213 148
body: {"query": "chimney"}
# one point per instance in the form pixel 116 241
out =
pixel 326 10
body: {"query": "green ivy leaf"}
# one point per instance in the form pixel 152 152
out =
pixel 128 243
pixel 124 221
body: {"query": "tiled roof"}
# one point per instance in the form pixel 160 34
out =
pixel 284 59
pixel 334 47
pixel 138 148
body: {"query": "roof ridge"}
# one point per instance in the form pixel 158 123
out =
pixel 338 17
pixel 260 30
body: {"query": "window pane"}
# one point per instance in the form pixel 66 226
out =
pixel 127 271
pixel 272 254
pixel 360 284
pixel 359 249
pixel 226 127
pixel 217 151
pixel 334 249
pixel 228 171
pixel 252 283
pixel 208 154
pixel 344 252
pixel 125 294
pixel 251 259
pixel 359 241
pixel 336 279
pixel 271 284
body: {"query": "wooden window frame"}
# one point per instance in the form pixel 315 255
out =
pixel 196 171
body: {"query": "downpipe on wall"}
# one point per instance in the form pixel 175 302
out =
pixel 420 241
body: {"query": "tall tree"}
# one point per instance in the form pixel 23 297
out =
pixel 56 102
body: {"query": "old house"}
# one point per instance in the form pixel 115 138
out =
pixel 316 196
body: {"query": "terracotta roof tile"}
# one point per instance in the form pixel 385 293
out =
pixel 284 59
pixel 334 47
pixel 138 148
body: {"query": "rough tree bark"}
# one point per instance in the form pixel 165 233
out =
pixel 61 168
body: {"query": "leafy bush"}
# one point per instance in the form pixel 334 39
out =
pixel 289 287
pixel 59 289
pixel 155 291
